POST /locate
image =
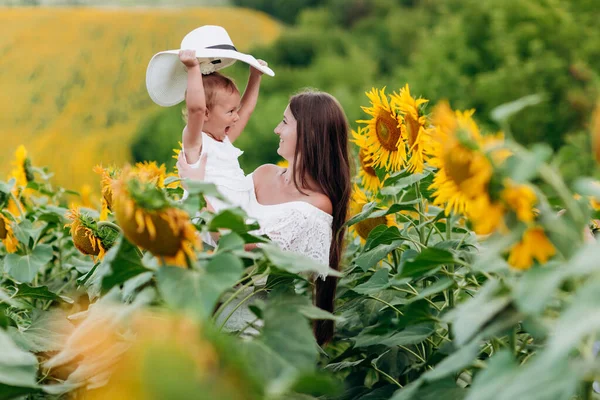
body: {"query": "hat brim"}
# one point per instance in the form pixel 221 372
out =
pixel 166 76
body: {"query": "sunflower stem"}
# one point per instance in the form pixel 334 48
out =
pixel 240 304
pixel 18 204
pixel 110 225
pixel 421 211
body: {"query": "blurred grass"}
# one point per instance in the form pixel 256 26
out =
pixel 73 79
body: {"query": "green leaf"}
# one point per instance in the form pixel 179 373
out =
pixel 39 292
pixel 469 317
pixel 504 111
pixel 370 258
pixel 18 368
pixel 527 294
pixel 12 392
pixel 24 268
pixel 437 287
pixel 580 319
pixel 230 242
pixel 395 185
pixel 295 263
pixel 198 291
pixel 124 262
pixel 383 235
pixel 198 187
pixel 289 334
pixel 230 218
pixel 411 335
pixel 458 360
pixel 378 282
pixel 48 331
pixel 27 233
pixel 425 261
pixel 409 391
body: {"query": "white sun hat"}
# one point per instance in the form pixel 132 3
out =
pixel 166 76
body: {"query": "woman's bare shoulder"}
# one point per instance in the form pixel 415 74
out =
pixel 266 171
pixel 321 201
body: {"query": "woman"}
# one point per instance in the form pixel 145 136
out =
pixel 303 208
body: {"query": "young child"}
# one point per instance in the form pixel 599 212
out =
pixel 216 116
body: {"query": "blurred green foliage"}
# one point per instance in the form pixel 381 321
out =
pixel 476 54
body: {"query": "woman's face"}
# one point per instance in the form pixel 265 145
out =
pixel 286 130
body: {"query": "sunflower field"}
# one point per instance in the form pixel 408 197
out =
pixel 470 272
pixel 77 75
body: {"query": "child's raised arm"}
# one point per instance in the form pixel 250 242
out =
pixel 196 107
pixel 248 102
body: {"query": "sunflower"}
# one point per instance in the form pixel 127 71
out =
pixel 414 128
pixel 459 153
pixel 7 235
pixel 107 177
pixel 88 237
pixel 533 245
pixel 150 220
pixel 151 172
pixel 22 170
pixel 520 199
pixel 369 179
pixel 283 163
pixel 364 227
pixel 384 133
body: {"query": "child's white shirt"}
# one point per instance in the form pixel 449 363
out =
pixel 223 169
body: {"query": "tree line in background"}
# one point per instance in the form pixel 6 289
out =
pixel 474 54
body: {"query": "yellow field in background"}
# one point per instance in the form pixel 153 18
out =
pixel 73 80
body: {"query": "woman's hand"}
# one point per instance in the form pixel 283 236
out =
pixel 188 58
pixel 187 172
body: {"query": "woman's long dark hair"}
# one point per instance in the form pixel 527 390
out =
pixel 322 154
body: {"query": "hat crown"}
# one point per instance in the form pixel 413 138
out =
pixel 206 37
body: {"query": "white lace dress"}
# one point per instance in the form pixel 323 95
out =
pixel 295 226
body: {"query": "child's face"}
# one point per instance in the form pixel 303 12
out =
pixel 223 115
pixel 286 130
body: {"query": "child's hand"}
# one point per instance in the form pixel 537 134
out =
pixel 257 72
pixel 188 58
pixel 187 172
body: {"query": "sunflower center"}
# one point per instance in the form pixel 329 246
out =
pixel 457 166
pixel 365 161
pixel 387 131
pixel 3 231
pixel 412 129
pixel 364 227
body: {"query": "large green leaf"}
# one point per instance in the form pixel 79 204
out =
pixel 48 331
pixel 411 335
pixel 425 261
pixel 295 263
pixel 198 291
pixel 455 362
pixel 470 317
pixel 286 348
pixel 527 294
pixel 370 258
pixel 24 268
pixel 579 320
pixel 500 371
pixel 18 368
pixel 378 282
pixel 124 262
pixel 39 292
pixel 233 219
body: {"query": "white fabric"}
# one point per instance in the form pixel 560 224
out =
pixel 296 226
pixel 223 169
